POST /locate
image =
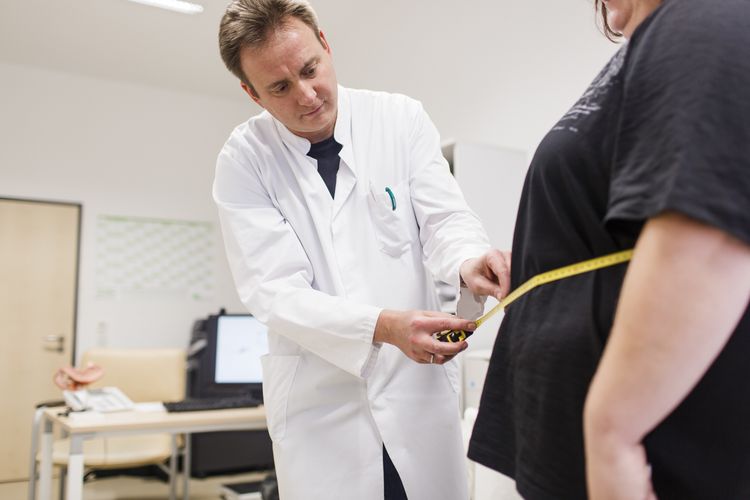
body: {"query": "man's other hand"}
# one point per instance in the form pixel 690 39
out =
pixel 488 275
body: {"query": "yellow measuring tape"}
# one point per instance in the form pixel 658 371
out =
pixel 540 279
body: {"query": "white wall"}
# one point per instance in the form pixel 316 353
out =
pixel 118 149
pixel 499 72
pixel 495 71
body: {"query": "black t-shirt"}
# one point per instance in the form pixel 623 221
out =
pixel 326 152
pixel 664 127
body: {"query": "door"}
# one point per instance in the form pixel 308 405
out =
pixel 38 281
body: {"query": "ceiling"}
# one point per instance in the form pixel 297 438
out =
pixel 476 64
pixel 120 40
pixel 126 41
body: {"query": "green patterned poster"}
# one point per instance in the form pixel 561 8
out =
pixel 146 257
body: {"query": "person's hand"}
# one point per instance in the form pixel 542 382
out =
pixel 411 331
pixel 488 275
pixel 615 471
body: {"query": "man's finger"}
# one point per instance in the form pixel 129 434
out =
pixel 497 262
pixel 485 286
pixel 447 358
pixel 500 266
pixel 507 256
pixel 440 324
pixel 430 344
pixel 440 359
pixel 448 348
pixel 437 314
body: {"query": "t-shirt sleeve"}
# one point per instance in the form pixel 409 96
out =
pixel 683 137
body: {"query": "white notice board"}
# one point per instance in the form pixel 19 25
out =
pixel 144 256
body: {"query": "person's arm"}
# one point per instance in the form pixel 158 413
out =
pixel 274 280
pixel 685 290
pixel 455 244
pixel 274 276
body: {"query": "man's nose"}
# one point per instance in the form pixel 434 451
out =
pixel 307 94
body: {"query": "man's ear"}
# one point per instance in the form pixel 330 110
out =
pixel 324 42
pixel 251 92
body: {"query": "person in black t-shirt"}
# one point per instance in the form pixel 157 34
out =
pixel 634 380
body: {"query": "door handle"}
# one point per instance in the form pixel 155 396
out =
pixel 55 343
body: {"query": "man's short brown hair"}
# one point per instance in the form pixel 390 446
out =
pixel 250 23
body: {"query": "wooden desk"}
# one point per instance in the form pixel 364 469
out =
pixel 81 427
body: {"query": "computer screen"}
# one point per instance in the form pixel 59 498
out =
pixel 240 342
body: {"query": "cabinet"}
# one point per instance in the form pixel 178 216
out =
pixel 491 178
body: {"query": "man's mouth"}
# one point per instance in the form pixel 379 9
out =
pixel 314 111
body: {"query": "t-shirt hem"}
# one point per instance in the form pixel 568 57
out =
pixel 491 458
pixel 505 465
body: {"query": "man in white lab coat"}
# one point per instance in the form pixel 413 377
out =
pixel 337 210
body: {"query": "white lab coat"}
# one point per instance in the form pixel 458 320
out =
pixel 318 271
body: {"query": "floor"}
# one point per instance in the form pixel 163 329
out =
pixel 135 488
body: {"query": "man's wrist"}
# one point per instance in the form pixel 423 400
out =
pixel 383 327
pixel 461 281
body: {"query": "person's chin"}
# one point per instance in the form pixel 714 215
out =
pixel 321 120
pixel 614 21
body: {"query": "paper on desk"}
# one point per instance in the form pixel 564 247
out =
pixel 86 416
pixel 153 406
pixel 92 416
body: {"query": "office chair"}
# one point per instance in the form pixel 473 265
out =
pixel 143 375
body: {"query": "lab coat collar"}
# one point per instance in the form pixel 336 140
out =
pixel 342 131
pixel 292 141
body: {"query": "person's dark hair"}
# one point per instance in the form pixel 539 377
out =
pixel 250 23
pixel 601 9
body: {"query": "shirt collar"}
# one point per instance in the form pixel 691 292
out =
pixel 341 132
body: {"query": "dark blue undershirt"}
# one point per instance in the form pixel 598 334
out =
pixel 326 152
pixel 393 487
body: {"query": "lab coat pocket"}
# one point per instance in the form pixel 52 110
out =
pixel 451 371
pixel 278 377
pixel 385 211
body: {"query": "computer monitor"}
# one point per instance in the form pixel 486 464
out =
pixel 240 342
pixel 235 344
pixel 224 361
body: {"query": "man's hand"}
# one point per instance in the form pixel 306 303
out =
pixel 488 275
pixel 411 331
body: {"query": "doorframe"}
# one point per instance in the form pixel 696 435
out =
pixel 79 206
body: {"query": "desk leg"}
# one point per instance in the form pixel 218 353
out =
pixel 38 416
pixel 75 469
pixel 173 467
pixel 186 469
pixel 45 472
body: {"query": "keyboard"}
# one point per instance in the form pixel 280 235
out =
pixel 211 404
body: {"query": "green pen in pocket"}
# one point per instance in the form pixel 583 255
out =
pixel 393 198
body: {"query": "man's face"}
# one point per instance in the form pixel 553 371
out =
pixel 294 78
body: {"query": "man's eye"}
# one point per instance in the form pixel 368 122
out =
pixel 280 89
pixel 309 72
